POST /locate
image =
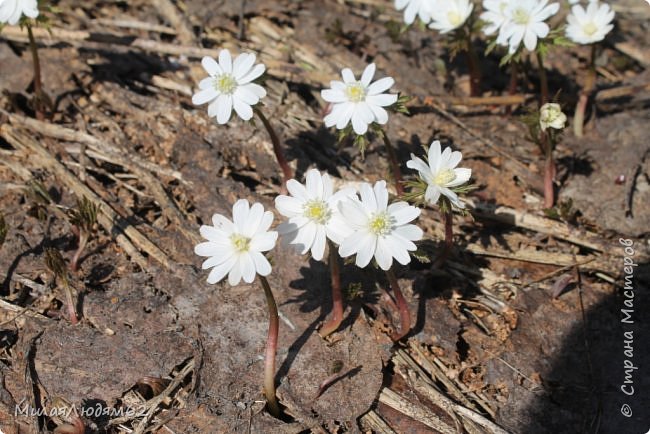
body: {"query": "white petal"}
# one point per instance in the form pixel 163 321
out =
pixel 314 184
pixel 359 124
pixel 253 220
pixel 367 75
pixel 245 95
pixel 234 277
pixel 398 249
pixel 205 95
pixel 262 264
pixel 305 238
pixel 297 190
pixel 240 212
pixel 224 108
pixel 381 115
pixel 225 61
pixel 222 257
pixel 211 66
pixel 351 244
pixel 381 194
pixel 432 195
pixel 348 76
pixel 242 64
pixel 220 271
pixel 409 232
pixel 404 213
pixel 213 234
pixel 368 197
pixel 383 255
pixel 366 251
pixel 247 267
pixel 221 222
pixel 288 206
pixel 254 74
pixel 354 212
pixel 462 176
pixel 318 248
pixel 332 95
pixel 347 110
pixel 242 109
pixel 256 89
pixel 263 242
pixel 380 86
pixel 208 249
pixel 383 100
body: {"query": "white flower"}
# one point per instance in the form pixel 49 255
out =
pixel 494 15
pixel 450 15
pixel 586 27
pixel 361 102
pixel 379 230
pixel 413 8
pixel 313 214
pixel 550 115
pixel 525 22
pixel 230 86
pixel 235 247
pixel 441 174
pixel 11 10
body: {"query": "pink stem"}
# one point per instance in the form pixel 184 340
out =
pixel 337 298
pixel 402 305
pixel 271 350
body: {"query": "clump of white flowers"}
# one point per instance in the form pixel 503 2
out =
pixel 441 175
pixel 525 22
pixel 450 15
pixel 230 85
pixel 360 102
pixel 440 182
pixel 379 230
pixel 236 248
pixel 313 214
pixel 590 25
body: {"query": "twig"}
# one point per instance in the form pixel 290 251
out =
pixel 421 414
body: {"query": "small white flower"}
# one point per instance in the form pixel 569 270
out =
pixel 379 229
pixel 313 214
pixel 550 115
pixel 525 22
pixel 361 102
pixel 413 8
pixel 11 10
pixel 450 15
pixel 235 247
pixel 441 174
pixel 230 85
pixel 587 27
pixel 494 15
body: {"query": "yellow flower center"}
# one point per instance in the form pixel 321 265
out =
pixel 356 92
pixel 444 177
pixel 317 211
pixel 589 28
pixel 240 242
pixel 454 18
pixel 380 223
pixel 225 83
pixel 521 16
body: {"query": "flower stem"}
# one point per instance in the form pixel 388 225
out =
pixel 277 149
pixel 549 172
pixel 512 86
pixel 543 80
pixel 83 240
pixel 38 85
pixel 473 65
pixel 337 298
pixel 271 350
pixel 404 314
pixel 581 107
pixel 448 217
pixel 394 163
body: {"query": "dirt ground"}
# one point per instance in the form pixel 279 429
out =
pixel 520 331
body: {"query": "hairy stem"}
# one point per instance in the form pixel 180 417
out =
pixel 448 218
pixel 581 107
pixel 394 163
pixel 404 314
pixel 277 149
pixel 271 350
pixel 337 298
pixel 83 240
pixel 543 80
pixel 38 84
pixel 474 67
